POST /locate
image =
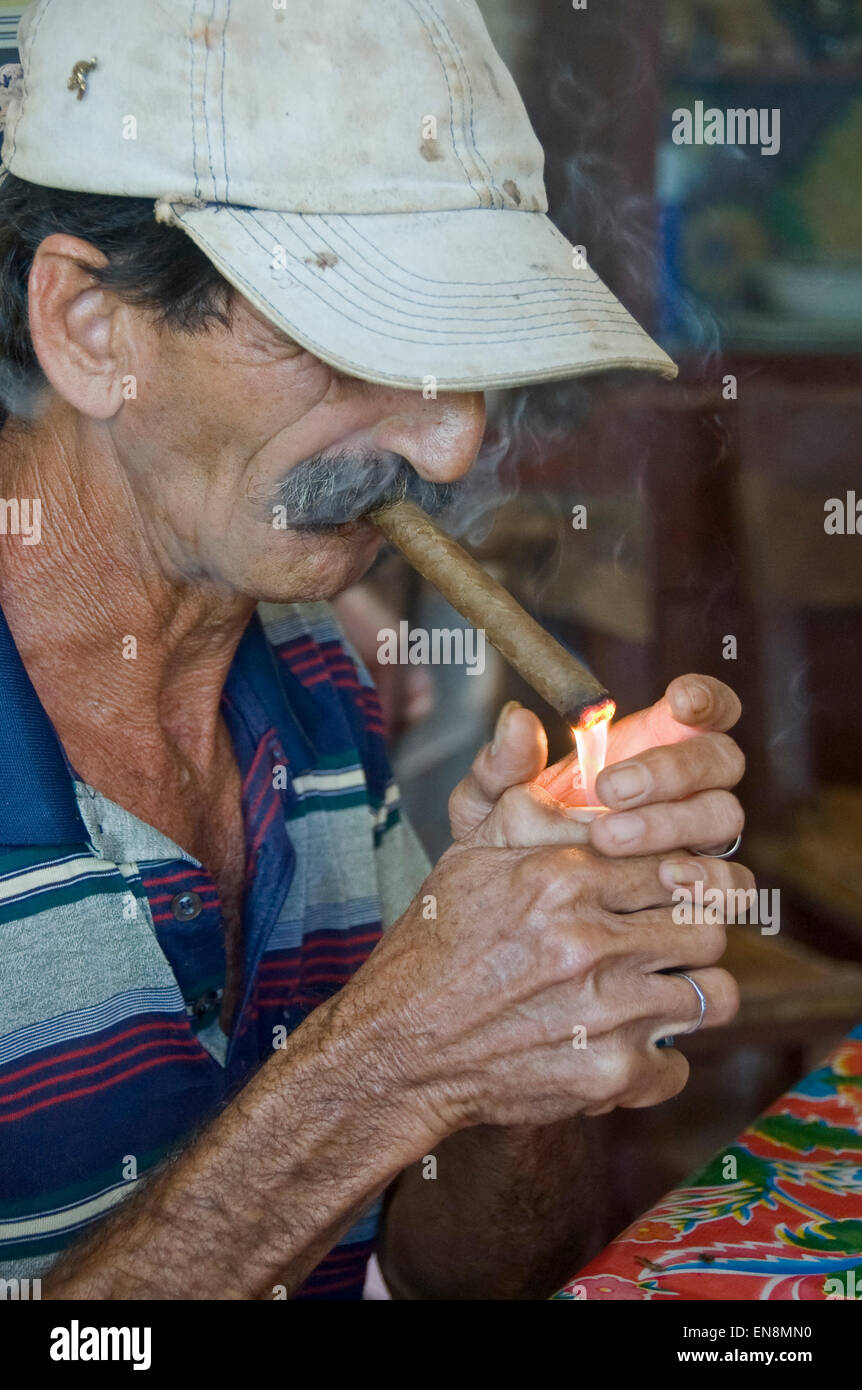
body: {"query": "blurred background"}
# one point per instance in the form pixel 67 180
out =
pixel 704 548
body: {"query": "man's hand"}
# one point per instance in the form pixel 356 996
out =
pixel 554 938
pixel 667 783
pixel 546 923
pixel 535 994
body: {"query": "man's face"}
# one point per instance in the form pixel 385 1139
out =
pixel 219 424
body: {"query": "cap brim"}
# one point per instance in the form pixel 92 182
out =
pixel 469 299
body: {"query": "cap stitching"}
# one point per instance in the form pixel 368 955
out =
pixel 399 318
pixel 394 322
pixel 223 122
pixel 204 101
pixel 614 307
pixel 349 221
pixel 465 71
pixel 205 104
pixel 468 147
pixel 192 100
pixel 324 352
pixel 431 36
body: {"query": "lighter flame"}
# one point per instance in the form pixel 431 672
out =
pixel 591 736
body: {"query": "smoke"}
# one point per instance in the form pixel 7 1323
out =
pixel 596 205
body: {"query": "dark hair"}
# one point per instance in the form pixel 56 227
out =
pixel 154 266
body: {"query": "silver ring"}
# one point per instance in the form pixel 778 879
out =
pixel 669 1041
pixel 700 994
pixel 728 854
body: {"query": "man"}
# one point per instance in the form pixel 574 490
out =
pixel 222 323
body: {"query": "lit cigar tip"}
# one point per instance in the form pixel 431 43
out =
pixel 596 714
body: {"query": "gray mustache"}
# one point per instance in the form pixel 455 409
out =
pixel 331 490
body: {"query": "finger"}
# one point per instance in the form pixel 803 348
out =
pixel 629 886
pixel 656 941
pixel 568 877
pixel 691 933
pixel 672 772
pixel 690 705
pixel 627 980
pixel 623 886
pixel 702 702
pixel 646 1076
pixel 525 817
pixel 701 821
pixel 629 1070
pixel 673 940
pixel 559 780
pixel 734 882
pixel 681 1006
pixel 571 883
pixel 666 1075
pixel 517 754
pixel 608 1067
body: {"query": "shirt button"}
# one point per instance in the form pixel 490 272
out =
pixel 205 1002
pixel 185 906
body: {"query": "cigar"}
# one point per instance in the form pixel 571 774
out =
pixel 553 673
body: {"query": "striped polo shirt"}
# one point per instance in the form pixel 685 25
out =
pixel 112 959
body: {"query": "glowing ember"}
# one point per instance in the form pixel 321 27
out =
pixel 591 736
pixel 596 714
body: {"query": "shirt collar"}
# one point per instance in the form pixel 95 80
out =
pixel 37 796
pixel 284 699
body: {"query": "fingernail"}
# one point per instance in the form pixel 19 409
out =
pixel 502 720
pixel 680 871
pixel 625 781
pixel 623 830
pixel 585 814
pixel 698 697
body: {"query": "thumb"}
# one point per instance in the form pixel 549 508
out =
pixel 517 753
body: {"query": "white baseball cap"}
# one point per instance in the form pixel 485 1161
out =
pixel 363 172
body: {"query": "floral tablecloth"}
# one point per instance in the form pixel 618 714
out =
pixel 776 1215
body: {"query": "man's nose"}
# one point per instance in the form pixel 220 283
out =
pixel 439 438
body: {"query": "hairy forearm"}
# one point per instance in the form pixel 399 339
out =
pixel 511 1214
pixel 268 1189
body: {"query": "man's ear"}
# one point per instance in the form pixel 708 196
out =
pixel 77 327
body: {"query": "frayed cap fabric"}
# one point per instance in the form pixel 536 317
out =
pixel 11 78
pixel 365 174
